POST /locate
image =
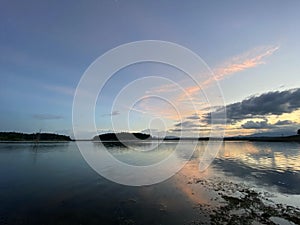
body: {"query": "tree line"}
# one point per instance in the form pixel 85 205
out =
pixel 17 136
pixel 122 137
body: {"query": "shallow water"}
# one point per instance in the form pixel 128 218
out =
pixel 52 184
pixel 270 165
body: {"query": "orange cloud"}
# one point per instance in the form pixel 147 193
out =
pixel 236 64
pixel 190 94
pixel 244 61
pixel 163 89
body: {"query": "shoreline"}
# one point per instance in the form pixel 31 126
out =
pixel 33 142
pixel 235 201
pixel 259 139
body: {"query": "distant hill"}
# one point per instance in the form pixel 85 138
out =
pixel 122 137
pixel 171 138
pixel 16 136
pixel 273 134
pixel 293 138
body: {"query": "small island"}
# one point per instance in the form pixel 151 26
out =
pixel 33 137
pixel 123 136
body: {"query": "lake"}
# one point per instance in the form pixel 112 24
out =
pixel 51 183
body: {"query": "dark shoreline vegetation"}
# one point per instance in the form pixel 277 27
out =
pixel 34 137
pixel 293 138
pixel 123 136
pixel 126 136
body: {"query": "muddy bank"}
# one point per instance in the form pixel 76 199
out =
pixel 242 204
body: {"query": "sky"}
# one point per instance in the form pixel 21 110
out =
pixel 252 49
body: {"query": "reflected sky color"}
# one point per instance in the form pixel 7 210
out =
pixel 275 156
pixel 53 180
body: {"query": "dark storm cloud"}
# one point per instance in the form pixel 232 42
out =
pixel 186 124
pixel 284 122
pixel 265 125
pixel 193 117
pixel 257 125
pixel 271 103
pixel 189 129
pixel 189 126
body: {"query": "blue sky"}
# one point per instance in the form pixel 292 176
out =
pixel 45 47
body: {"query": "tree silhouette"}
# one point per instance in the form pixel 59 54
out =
pixel 298 132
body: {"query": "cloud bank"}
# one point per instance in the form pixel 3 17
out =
pixel 271 103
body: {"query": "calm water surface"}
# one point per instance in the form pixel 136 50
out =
pixel 52 184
